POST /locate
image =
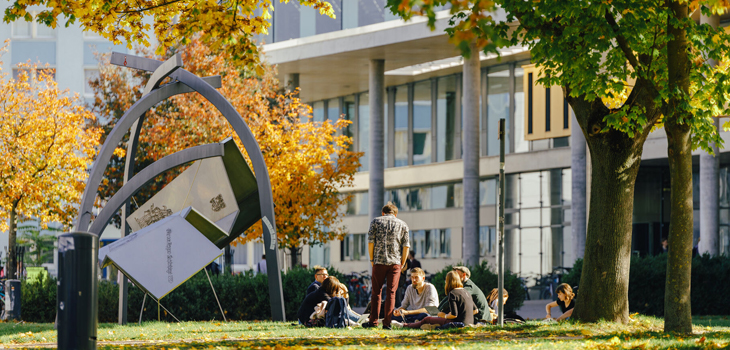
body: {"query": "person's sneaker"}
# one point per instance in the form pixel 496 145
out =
pixel 368 325
pixel 396 324
pixel 429 327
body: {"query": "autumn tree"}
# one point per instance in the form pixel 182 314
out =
pixel 308 161
pixel 46 144
pixel 592 50
pixel 225 24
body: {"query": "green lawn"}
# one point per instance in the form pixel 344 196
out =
pixel 711 332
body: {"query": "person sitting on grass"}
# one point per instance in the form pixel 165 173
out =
pixel 493 301
pixel 477 295
pixel 324 293
pixel 343 292
pixel 460 307
pixel 418 295
pixel 566 302
pixel 320 273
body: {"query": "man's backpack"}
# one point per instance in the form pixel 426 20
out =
pixel 337 313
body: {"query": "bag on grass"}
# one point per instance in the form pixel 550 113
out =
pixel 337 313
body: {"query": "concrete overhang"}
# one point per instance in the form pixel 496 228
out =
pixel 337 63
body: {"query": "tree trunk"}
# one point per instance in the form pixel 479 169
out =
pixel 12 236
pixel 294 256
pixel 604 283
pixel 677 301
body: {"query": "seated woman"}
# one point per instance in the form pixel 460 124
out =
pixel 324 293
pixel 342 292
pixel 459 308
pixel 565 301
pixel 493 301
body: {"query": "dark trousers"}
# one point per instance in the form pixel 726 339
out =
pixel 381 275
pixel 410 318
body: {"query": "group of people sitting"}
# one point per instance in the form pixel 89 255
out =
pixel 465 304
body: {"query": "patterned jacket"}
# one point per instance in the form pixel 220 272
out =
pixel 389 235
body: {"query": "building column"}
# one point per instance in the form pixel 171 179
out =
pixel 709 182
pixel 376 191
pixel 578 189
pixel 470 132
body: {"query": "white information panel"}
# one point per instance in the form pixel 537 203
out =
pixel 163 255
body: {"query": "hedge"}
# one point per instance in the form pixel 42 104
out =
pixel 486 280
pixel 647 276
pixel 243 297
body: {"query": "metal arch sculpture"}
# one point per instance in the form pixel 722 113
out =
pixel 183 82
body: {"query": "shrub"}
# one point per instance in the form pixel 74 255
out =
pixel 486 279
pixel 243 297
pixel 647 278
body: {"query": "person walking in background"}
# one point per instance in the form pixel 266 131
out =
pixel 261 266
pixel 388 249
pixel 320 273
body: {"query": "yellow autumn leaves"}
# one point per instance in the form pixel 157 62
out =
pixel 46 144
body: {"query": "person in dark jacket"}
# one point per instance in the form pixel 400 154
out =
pixel 324 293
pixel 320 273
pixel 476 294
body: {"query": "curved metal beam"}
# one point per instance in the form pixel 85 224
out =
pixel 148 174
pixel 115 136
pixel 162 72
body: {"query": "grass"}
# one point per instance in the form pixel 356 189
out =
pixel 710 332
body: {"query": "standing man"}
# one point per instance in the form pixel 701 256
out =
pixel 388 247
pixel 261 267
pixel 320 274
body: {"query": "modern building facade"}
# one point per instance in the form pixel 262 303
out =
pixel 423 104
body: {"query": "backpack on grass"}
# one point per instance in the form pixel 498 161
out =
pixel 337 313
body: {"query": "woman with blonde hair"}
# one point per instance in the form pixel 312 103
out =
pixel 459 308
pixel 566 302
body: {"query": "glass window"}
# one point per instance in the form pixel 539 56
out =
pixel 422 123
pixel 512 191
pixel 487 240
pixel 326 24
pixel 724 240
pixel 363 129
pixel 530 190
pixel 530 249
pixel 497 107
pixel 349 114
pixel 318 111
pixel 446 118
pixel 401 126
pixel 286 21
pixel 521 145
pixel 418 243
pixel 567 194
pixel 22 29
pixel 319 254
pixel 419 199
pixel 333 109
pixel 345 248
pixel 44 31
pixel 444 243
pixel 43 52
pixel 370 12
pixel 398 198
pixel 363 200
pixel 488 192
pixel 90 74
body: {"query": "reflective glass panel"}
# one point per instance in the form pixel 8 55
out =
pixel 497 107
pixel 318 111
pixel 349 114
pixel 520 144
pixel 530 190
pixel 363 128
pixel 333 109
pixel 422 123
pixel 446 118
pixel 401 126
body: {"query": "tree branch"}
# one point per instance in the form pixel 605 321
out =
pixel 150 8
pixel 622 43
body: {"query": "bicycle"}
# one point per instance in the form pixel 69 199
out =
pixel 360 288
pixel 550 282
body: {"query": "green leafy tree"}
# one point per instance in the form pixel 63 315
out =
pixel 39 244
pixel 592 50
